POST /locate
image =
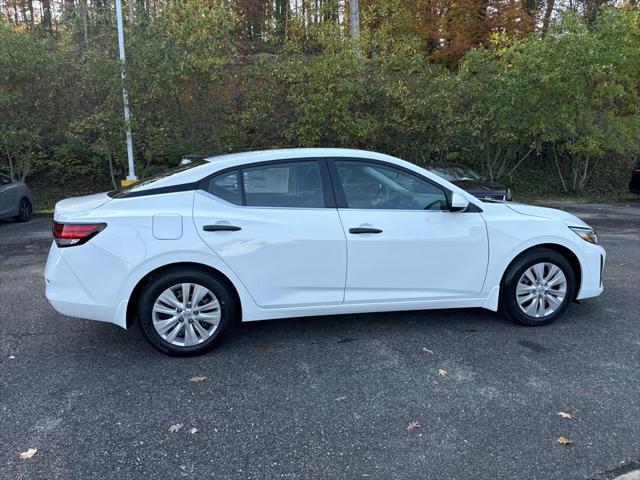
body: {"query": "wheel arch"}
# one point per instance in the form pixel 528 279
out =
pixel 135 293
pixel 569 255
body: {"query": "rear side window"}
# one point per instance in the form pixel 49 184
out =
pixel 286 185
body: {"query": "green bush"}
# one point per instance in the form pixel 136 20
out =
pixel 564 109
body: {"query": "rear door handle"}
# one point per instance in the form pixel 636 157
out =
pixel 220 228
pixel 364 230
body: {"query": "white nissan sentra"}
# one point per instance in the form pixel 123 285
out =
pixel 290 233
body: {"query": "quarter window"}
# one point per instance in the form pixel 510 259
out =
pixel 375 186
pixel 227 187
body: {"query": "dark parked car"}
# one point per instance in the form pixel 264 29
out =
pixel 469 180
pixel 634 184
pixel 16 200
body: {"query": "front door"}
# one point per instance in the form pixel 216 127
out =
pixel 402 242
pixel 273 225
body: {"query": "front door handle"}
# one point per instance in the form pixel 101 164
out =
pixel 364 230
pixel 220 228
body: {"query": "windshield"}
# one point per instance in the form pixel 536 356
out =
pixel 184 166
pixel 457 172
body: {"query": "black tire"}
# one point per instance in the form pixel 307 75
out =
pixel 508 299
pixel 24 211
pixel 158 284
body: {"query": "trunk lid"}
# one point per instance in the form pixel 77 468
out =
pixel 80 204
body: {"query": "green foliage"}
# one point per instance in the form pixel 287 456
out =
pixel 567 104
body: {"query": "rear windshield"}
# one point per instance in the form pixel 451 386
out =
pixel 188 166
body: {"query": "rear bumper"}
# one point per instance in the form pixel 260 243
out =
pixel 592 265
pixel 67 294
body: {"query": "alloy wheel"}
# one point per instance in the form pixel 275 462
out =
pixel 541 289
pixel 186 314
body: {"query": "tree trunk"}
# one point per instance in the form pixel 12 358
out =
pixel 547 17
pixel 31 19
pixel 354 24
pixel 68 6
pixel 111 172
pixel 46 14
pixel 85 26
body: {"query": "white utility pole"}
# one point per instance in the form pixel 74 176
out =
pixel 125 95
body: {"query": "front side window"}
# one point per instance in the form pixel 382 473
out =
pixel 376 186
pixel 4 180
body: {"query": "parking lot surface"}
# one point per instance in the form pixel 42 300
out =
pixel 439 394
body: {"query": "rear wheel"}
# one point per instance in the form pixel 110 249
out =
pixel 185 312
pixel 538 287
pixel 24 211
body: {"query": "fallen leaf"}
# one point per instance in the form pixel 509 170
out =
pixel 174 428
pixel 563 440
pixel 442 373
pixel 198 378
pixel 413 425
pixel 564 414
pixel 340 398
pixel 193 430
pixel 426 350
pixel 261 346
pixel 29 453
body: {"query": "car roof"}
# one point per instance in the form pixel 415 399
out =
pixel 215 163
pixel 207 165
pixel 286 153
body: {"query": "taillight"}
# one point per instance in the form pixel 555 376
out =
pixel 71 234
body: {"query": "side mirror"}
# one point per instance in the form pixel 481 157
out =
pixel 459 203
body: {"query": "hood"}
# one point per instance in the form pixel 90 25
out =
pixel 79 204
pixel 483 186
pixel 550 213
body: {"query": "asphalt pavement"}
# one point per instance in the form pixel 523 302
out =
pixel 447 394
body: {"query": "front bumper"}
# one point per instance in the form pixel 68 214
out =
pixel 592 265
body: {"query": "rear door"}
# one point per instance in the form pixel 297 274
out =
pixel 276 226
pixel 403 243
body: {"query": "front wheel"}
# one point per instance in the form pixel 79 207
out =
pixel 185 312
pixel 538 287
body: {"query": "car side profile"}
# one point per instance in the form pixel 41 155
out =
pixel 305 232
pixel 16 200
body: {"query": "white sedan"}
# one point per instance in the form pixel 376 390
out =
pixel 291 233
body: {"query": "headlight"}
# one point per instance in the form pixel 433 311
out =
pixel 587 234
